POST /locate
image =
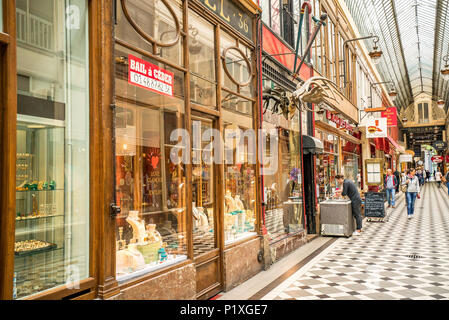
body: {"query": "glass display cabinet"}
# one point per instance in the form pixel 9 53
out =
pixel 39 244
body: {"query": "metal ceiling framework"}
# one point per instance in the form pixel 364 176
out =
pixel 439 86
pixel 414 37
pixel 379 17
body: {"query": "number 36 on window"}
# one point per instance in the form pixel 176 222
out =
pixel 243 23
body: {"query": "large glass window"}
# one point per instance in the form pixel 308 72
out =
pixel 327 164
pixel 350 161
pixel 156 22
pixel 150 188
pixel 203 187
pixel 202 61
pixel 52 162
pixel 283 188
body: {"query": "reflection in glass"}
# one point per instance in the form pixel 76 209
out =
pixel 327 165
pixel 155 20
pixel 283 189
pixel 240 176
pixel 203 196
pixel 52 160
pixel 150 188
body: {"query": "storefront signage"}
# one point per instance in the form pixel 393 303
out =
pixel 437 159
pixel 392 117
pixel 377 128
pixel 149 76
pixel 342 124
pixel 231 14
pixel 447 159
pixel 405 158
pixel 440 145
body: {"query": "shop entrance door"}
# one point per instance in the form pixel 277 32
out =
pixel 309 193
pixel 205 209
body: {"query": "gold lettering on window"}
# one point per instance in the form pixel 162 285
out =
pixel 227 18
pixel 209 5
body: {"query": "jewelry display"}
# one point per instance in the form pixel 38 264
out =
pixel 138 226
pixel 30 245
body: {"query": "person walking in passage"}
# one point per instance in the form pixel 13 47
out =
pixel 348 189
pixel 397 174
pixel 404 184
pixel 390 184
pixel 438 177
pixel 413 192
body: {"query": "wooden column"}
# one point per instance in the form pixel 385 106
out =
pixel 8 140
pixel 103 227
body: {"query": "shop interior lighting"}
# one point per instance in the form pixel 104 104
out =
pixel 375 54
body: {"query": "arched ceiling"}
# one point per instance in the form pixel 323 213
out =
pixel 414 36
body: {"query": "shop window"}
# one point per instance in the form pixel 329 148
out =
pixel 240 175
pixel 155 21
pixel 203 187
pixel 52 161
pixel 150 188
pixel 202 61
pixel 351 169
pixel 327 165
pixel 283 188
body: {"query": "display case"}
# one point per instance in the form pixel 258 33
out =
pixel 40 220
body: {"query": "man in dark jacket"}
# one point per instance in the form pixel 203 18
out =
pixel 397 174
pixel 390 184
pixel 349 189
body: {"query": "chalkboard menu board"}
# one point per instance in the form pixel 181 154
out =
pixel 375 204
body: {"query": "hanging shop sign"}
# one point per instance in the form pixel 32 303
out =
pixel 405 158
pixel 341 124
pixel 392 116
pixel 149 76
pixel 232 14
pixel 440 145
pixel 437 159
pixel 376 128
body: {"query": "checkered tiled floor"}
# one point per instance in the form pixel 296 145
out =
pixel 398 259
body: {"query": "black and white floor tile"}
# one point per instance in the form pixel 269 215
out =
pixel 398 259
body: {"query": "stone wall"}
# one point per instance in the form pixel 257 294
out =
pixel 241 263
pixel 178 284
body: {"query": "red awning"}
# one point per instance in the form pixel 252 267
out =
pixel 396 145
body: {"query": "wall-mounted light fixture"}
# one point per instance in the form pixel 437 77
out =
pixel 375 54
pixel 445 70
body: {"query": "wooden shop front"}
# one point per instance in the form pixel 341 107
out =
pixel 96 100
pixel 206 52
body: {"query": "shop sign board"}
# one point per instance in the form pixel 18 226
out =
pixel 377 128
pixel 405 158
pixel 232 14
pixel 342 124
pixel 149 76
pixel 447 158
pixel 437 159
pixel 392 116
pixel 440 145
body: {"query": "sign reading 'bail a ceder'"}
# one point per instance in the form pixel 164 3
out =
pixel 231 14
pixel 149 76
